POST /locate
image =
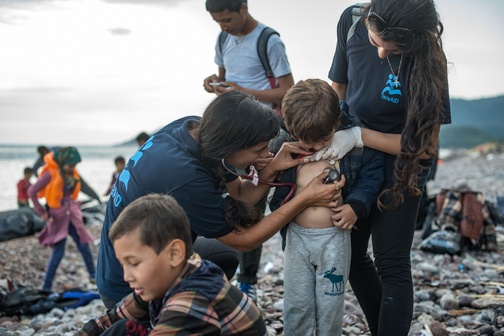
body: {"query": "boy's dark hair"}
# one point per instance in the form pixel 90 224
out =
pixel 160 219
pixel 27 170
pixel 119 159
pixel 217 6
pixel 142 137
pixel 311 110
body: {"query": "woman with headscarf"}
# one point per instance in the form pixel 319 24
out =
pixel 59 184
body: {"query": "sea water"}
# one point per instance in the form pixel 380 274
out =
pixel 97 167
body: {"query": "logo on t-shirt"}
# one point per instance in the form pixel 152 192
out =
pixel 125 174
pixel 392 91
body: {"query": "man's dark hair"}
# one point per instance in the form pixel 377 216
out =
pixel 217 6
pixel 119 159
pixel 142 138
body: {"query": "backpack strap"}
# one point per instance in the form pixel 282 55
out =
pixel 262 51
pixel 356 15
pixel 222 39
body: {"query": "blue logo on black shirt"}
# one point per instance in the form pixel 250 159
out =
pixel 392 91
pixel 125 174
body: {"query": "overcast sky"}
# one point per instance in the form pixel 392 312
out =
pixel 98 72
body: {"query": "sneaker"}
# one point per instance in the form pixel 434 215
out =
pixel 250 290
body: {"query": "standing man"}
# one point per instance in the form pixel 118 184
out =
pixel 240 68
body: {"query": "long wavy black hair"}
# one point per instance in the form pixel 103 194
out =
pixel 231 122
pixel 427 84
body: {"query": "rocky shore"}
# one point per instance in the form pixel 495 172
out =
pixel 454 295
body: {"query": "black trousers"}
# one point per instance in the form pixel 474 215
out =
pixel 250 261
pixel 384 286
pixel 223 256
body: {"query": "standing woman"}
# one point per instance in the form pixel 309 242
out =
pixel 60 184
pixel 392 75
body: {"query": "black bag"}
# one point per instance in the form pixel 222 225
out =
pixel 442 241
pixel 19 223
pixel 30 301
pixel 19 300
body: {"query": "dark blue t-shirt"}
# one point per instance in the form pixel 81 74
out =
pixel 372 94
pixel 168 163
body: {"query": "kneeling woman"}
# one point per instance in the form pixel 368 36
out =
pixel 187 160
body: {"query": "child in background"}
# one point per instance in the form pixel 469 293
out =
pixel 22 188
pixel 59 183
pixel 317 241
pixel 182 293
pixel 119 162
pixel 142 138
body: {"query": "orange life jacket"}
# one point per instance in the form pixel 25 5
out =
pixel 53 192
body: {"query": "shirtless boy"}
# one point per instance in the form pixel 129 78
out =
pixel 317 241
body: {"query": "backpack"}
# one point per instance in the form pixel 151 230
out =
pixel 356 15
pixel 262 52
pixel 464 212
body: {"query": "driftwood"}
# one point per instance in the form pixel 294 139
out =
pixel 460 312
pixel 497 267
pixel 428 330
pixel 483 296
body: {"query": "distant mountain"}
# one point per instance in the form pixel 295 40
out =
pixel 133 141
pixel 474 122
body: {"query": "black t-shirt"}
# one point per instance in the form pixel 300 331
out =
pixel 371 92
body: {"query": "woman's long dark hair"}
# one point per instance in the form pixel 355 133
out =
pixel 427 84
pixel 231 122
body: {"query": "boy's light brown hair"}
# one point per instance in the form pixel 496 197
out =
pixel 160 219
pixel 311 110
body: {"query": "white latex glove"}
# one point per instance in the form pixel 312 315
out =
pixel 342 142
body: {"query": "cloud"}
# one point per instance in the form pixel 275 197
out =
pixel 119 31
pixel 15 11
pixel 166 3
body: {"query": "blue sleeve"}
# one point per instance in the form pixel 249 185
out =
pixel 278 57
pixel 218 54
pixel 369 180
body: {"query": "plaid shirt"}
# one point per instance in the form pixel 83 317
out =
pixel 200 302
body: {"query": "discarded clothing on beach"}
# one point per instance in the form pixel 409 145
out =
pixel 30 301
pixel 467 213
pixel 19 223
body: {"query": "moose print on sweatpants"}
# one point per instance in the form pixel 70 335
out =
pixel 337 282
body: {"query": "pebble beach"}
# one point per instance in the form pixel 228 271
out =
pixel 454 295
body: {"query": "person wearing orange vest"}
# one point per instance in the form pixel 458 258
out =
pixel 59 183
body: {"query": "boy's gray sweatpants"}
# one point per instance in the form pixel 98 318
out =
pixel 316 267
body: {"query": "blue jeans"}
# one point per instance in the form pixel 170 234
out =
pixel 58 251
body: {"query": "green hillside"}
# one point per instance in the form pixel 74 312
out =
pixel 474 122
